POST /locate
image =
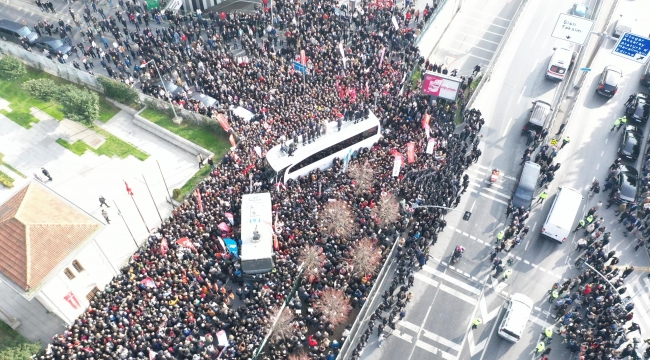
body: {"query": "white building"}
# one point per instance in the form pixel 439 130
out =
pixel 48 252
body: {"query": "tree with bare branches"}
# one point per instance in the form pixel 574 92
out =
pixel 312 258
pixel 365 257
pixel 386 211
pixel 363 175
pixel 334 306
pixel 283 327
pixel 337 219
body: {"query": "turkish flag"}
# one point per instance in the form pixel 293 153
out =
pixel 72 300
pixel 128 189
pixel 148 282
pixel 198 200
pixel 185 242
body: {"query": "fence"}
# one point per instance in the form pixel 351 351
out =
pixel 39 61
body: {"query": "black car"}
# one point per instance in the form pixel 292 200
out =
pixel 608 82
pixel 645 78
pixel 631 143
pixel 54 46
pixel 627 180
pixel 639 110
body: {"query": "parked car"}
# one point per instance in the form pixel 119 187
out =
pixel 539 117
pixel 627 180
pixel 54 46
pixel 15 32
pixel 608 82
pixel 645 78
pixel 579 10
pixel 620 28
pixel 639 110
pixel 631 142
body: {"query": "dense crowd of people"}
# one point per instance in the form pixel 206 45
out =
pixel 181 292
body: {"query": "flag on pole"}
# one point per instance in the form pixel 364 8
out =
pixel 198 200
pixel 128 189
pixel 346 161
pixel 185 242
pixel 164 247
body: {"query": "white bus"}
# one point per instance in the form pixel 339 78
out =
pixel 321 153
pixel 256 233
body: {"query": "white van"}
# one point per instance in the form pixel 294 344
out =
pixel 559 221
pixel 518 309
pixel 559 64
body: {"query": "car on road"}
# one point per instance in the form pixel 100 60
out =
pixel 53 45
pixel 539 117
pixel 627 180
pixel 608 82
pixel 631 142
pixel 15 32
pixel 620 28
pixel 526 185
pixel 639 110
pixel 579 10
pixel 645 78
pixel 518 310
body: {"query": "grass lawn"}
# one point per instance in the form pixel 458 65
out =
pixel 20 100
pixel 113 146
pixel 217 143
pixel 14 346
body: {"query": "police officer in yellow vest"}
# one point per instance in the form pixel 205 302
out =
pixel 618 123
pixel 500 236
pixel 542 196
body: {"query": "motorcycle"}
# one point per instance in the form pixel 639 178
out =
pixel 494 177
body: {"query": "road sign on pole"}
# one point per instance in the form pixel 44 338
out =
pixel 572 28
pixel 585 69
pixel 634 47
pixel 299 67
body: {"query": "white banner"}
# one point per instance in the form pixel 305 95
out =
pixel 397 166
pixel 395 23
pixel 430 145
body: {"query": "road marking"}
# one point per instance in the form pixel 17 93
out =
pixel 458 231
pixel 537 308
pixel 490 197
pixel 405 337
pixel 538 321
pixel 442 340
pixel 430 348
pixel 475 349
pixel 541 268
pixel 491 23
pixel 476 37
pixel 518 258
pixel 472 237
pixel 466 234
pixel 490 15
pixel 534 265
pixel 478 57
pixel 451 279
pixel 425 279
pixel 507 126
pixel 457 294
pixel 487 315
pixel 408 325
pixel 521 94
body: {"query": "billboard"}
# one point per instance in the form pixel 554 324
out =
pixel 441 86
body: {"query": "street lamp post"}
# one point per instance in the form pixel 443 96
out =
pixel 176 117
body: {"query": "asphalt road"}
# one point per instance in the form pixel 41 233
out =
pixel 447 298
pixel 474 35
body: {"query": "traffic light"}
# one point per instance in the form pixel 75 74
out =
pixel 467 215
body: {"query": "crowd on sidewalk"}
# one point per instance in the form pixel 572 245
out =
pixel 179 291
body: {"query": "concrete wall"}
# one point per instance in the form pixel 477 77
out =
pixel 170 136
pixel 437 25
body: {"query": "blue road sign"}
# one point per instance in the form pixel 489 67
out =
pixel 585 69
pixel 299 67
pixel 634 47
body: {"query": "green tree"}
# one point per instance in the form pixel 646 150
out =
pixel 79 104
pixel 11 68
pixel 119 91
pixel 43 89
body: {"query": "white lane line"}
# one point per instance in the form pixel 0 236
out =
pixel 489 15
pixel 535 266
pixel 430 348
pixel 507 126
pixel 478 57
pixel 442 340
pixel 490 197
pixel 451 279
pixel 466 234
pixel 458 231
pixel 491 23
pixel 458 294
pixel 425 279
pixel 480 241
pixel 506 196
pixel 472 237
pixel 541 268
pixel 518 258
pixel 538 321
pixel 477 37
pixel 521 95
pixel 408 325
pixel 405 337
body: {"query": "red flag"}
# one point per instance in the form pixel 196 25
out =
pixel 410 151
pixel 223 227
pixel 185 242
pixel 303 57
pixel 148 282
pixel 198 200
pixel 164 247
pixel 128 189
pixel 232 140
pixel 426 119
pixel 224 122
pixel 72 300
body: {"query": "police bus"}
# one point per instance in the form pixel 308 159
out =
pixel 290 161
pixel 256 233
